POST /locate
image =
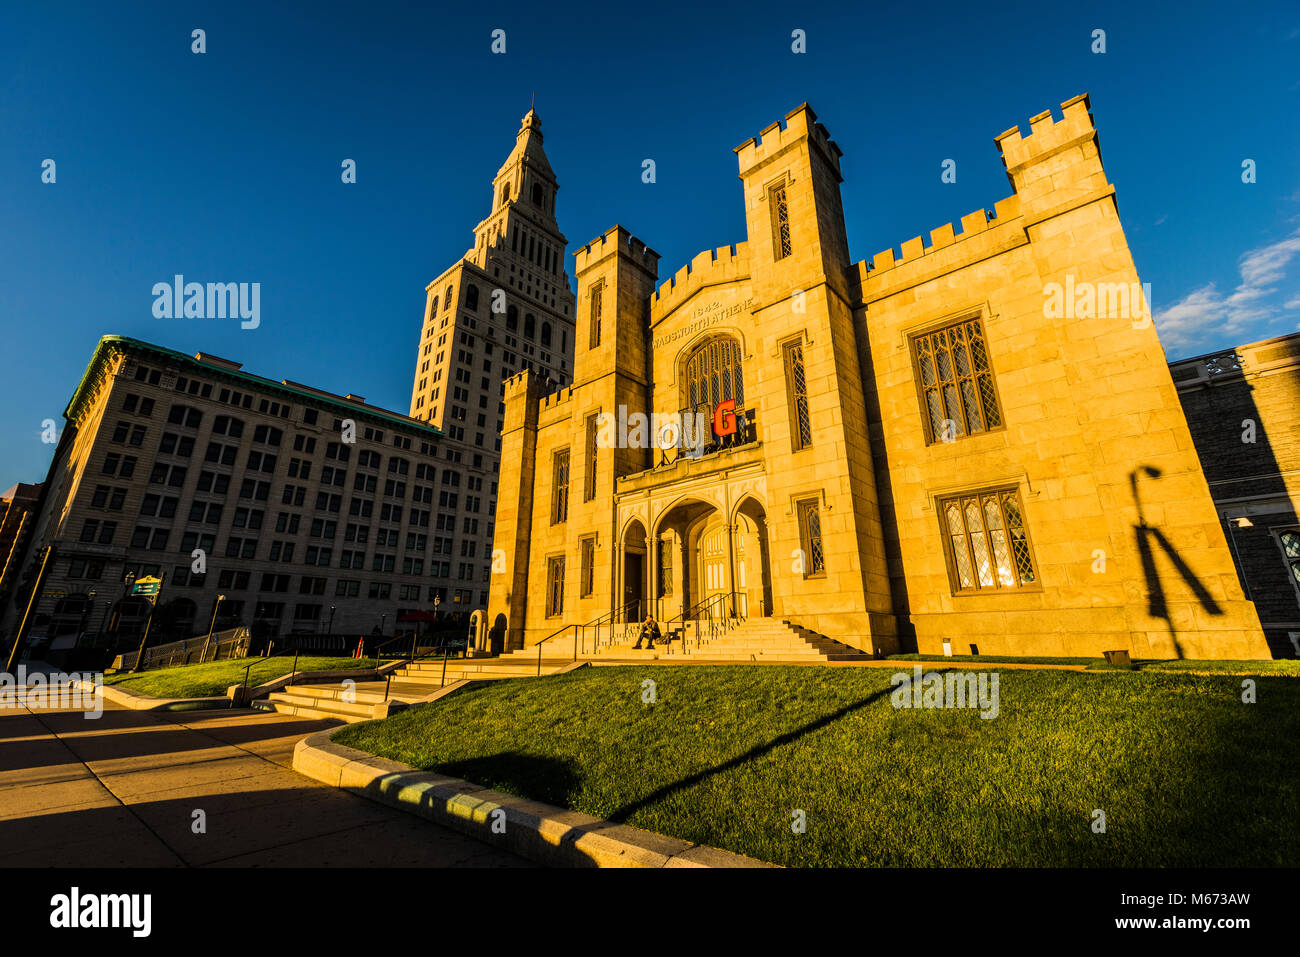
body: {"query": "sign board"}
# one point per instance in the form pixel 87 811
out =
pixel 146 586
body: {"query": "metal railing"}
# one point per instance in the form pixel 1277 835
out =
pixel 707 619
pixel 591 632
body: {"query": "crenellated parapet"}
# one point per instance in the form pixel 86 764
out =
pixel 1055 168
pixel 710 268
pixel 800 122
pixel 615 240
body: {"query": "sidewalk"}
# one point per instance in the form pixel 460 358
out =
pixel 122 791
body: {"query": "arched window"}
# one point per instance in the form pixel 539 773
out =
pixel 713 374
pixel 546 334
pixel 505 193
pixel 433 311
pixel 448 303
pixel 512 319
pixel 537 194
pixel 530 325
pixel 471 297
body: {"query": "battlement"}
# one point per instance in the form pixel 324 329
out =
pixel 799 122
pixel 557 398
pixel 943 236
pixel 709 268
pixel 616 238
pixel 1047 136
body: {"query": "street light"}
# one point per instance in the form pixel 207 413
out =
pixel 127 581
pixel 331 631
pixel 85 615
pixel 211 627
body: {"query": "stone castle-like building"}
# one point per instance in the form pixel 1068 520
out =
pixel 975 441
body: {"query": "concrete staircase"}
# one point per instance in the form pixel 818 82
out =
pixel 411 683
pixel 765 639
pixel 754 639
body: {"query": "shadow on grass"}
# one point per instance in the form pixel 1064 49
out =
pixel 550 780
pixel 660 793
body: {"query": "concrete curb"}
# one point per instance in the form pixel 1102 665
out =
pixel 241 695
pixel 549 835
pixel 143 702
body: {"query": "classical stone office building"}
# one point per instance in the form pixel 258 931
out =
pixel 1243 407
pixel 975 440
pixel 164 453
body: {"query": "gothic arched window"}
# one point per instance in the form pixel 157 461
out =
pixel 530 325
pixel 546 334
pixel 713 374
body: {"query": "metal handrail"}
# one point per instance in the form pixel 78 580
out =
pixel 696 613
pixel 445 650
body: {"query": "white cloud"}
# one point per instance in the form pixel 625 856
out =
pixel 1205 319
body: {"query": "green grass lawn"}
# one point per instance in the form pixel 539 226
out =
pixel 1251 667
pixel 1186 773
pixel 213 678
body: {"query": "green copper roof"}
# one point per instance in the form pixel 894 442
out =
pixel 109 344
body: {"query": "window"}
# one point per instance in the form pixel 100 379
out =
pixel 955 382
pixel 589 480
pixel 796 386
pixel 560 489
pixel 810 534
pixel 554 586
pixel 184 415
pixel 597 293
pixel 985 541
pixel 780 221
pixel 587 581
pixel 1290 542
pixel 713 374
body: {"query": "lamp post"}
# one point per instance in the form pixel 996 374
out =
pixel 85 615
pixel 211 627
pixel 127 581
pixel 331 631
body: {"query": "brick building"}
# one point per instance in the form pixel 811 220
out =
pixel 299 500
pixel 1241 406
pixel 972 441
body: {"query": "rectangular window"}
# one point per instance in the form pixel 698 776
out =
pixel 780 222
pixel 796 385
pixel 589 480
pixel 597 294
pixel 955 382
pixel 555 586
pixel 587 583
pixel 810 534
pixel 985 541
pixel 560 489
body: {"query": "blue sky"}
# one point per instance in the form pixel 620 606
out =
pixel 226 166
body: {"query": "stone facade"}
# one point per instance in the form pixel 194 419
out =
pixel 1241 407
pixel 163 453
pixel 504 306
pixel 972 442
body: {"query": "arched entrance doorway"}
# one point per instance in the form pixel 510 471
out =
pixel 634 582
pixel 706 561
pixel 753 561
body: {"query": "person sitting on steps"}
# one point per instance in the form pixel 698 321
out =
pixel 649 632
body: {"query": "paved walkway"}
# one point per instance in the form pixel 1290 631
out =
pixel 121 791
